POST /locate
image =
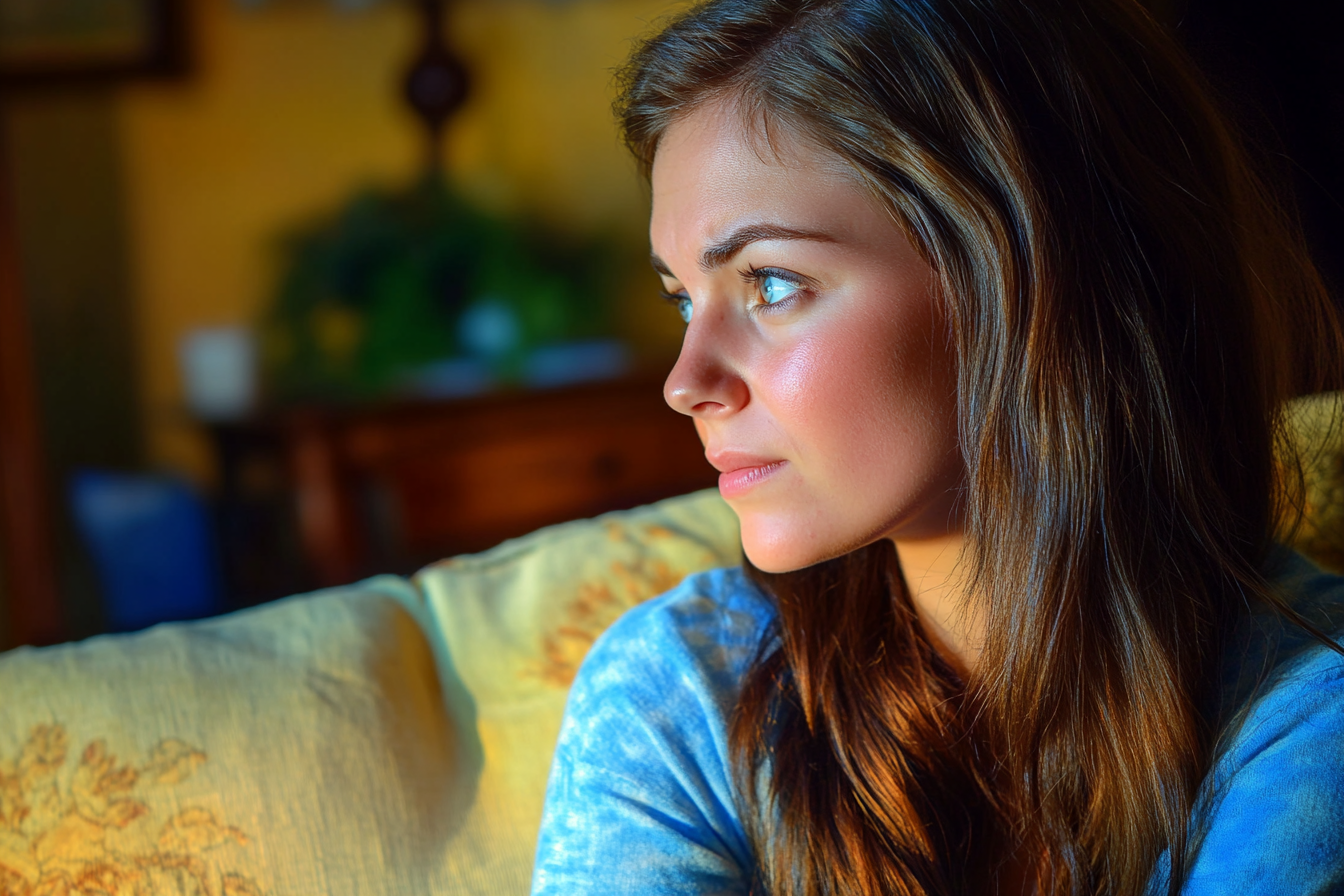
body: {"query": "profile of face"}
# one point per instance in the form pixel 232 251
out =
pixel 816 362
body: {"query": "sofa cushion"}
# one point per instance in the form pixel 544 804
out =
pixel 1314 519
pixel 392 737
pixel 517 621
pixel 299 748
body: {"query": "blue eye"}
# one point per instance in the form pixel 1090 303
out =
pixel 776 289
pixel 680 302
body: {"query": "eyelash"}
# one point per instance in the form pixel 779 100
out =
pixel 676 300
pixel 752 275
pixel 757 276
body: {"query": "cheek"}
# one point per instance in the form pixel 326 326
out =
pixel 822 387
pixel 863 397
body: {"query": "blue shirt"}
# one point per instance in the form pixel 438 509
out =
pixel 640 795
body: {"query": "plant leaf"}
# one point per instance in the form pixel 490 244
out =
pixel 54 885
pixel 44 753
pixel 121 813
pixel 97 784
pixel 17 858
pixel 110 877
pixel 196 830
pixel 175 876
pixel 13 807
pixel 172 761
pixel 73 843
pixel 237 885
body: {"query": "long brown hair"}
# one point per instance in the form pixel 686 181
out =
pixel 1130 306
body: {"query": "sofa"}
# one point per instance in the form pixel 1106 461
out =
pixel 390 737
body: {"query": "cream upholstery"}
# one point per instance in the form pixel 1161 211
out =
pixel 392 737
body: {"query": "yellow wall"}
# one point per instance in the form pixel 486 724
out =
pixel 293 105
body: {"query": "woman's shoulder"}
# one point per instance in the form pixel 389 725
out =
pixel 1279 657
pixel 1289 675
pixel 1271 803
pixel 1307 586
pixel 707 630
pixel 643 749
pixel 711 598
pixel 1277 669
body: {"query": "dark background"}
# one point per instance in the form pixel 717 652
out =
pixel 1280 66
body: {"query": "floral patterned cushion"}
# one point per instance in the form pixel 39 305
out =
pixel 1315 523
pixel 266 752
pixel 392 737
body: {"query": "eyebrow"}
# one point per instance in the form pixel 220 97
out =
pixel 724 250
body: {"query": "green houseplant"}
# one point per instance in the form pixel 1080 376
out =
pixel 397 282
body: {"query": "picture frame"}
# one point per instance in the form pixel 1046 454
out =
pixel 48 41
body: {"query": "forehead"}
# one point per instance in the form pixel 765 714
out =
pixel 716 169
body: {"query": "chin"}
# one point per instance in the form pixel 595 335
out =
pixel 775 545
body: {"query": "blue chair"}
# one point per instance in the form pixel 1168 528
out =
pixel 151 543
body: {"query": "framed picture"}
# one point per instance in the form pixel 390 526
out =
pixel 63 40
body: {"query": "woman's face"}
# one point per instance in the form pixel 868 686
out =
pixel 817 363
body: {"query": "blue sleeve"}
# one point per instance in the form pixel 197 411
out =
pixel 1275 823
pixel 640 794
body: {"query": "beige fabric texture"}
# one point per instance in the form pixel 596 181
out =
pixel 392 737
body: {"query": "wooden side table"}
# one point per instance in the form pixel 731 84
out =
pixel 389 487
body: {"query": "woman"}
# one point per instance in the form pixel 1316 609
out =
pixel 989 324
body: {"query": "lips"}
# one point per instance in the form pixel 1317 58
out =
pixel 740 472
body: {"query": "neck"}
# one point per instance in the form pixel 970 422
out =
pixel 938 592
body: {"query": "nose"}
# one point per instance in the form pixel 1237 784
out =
pixel 704 382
